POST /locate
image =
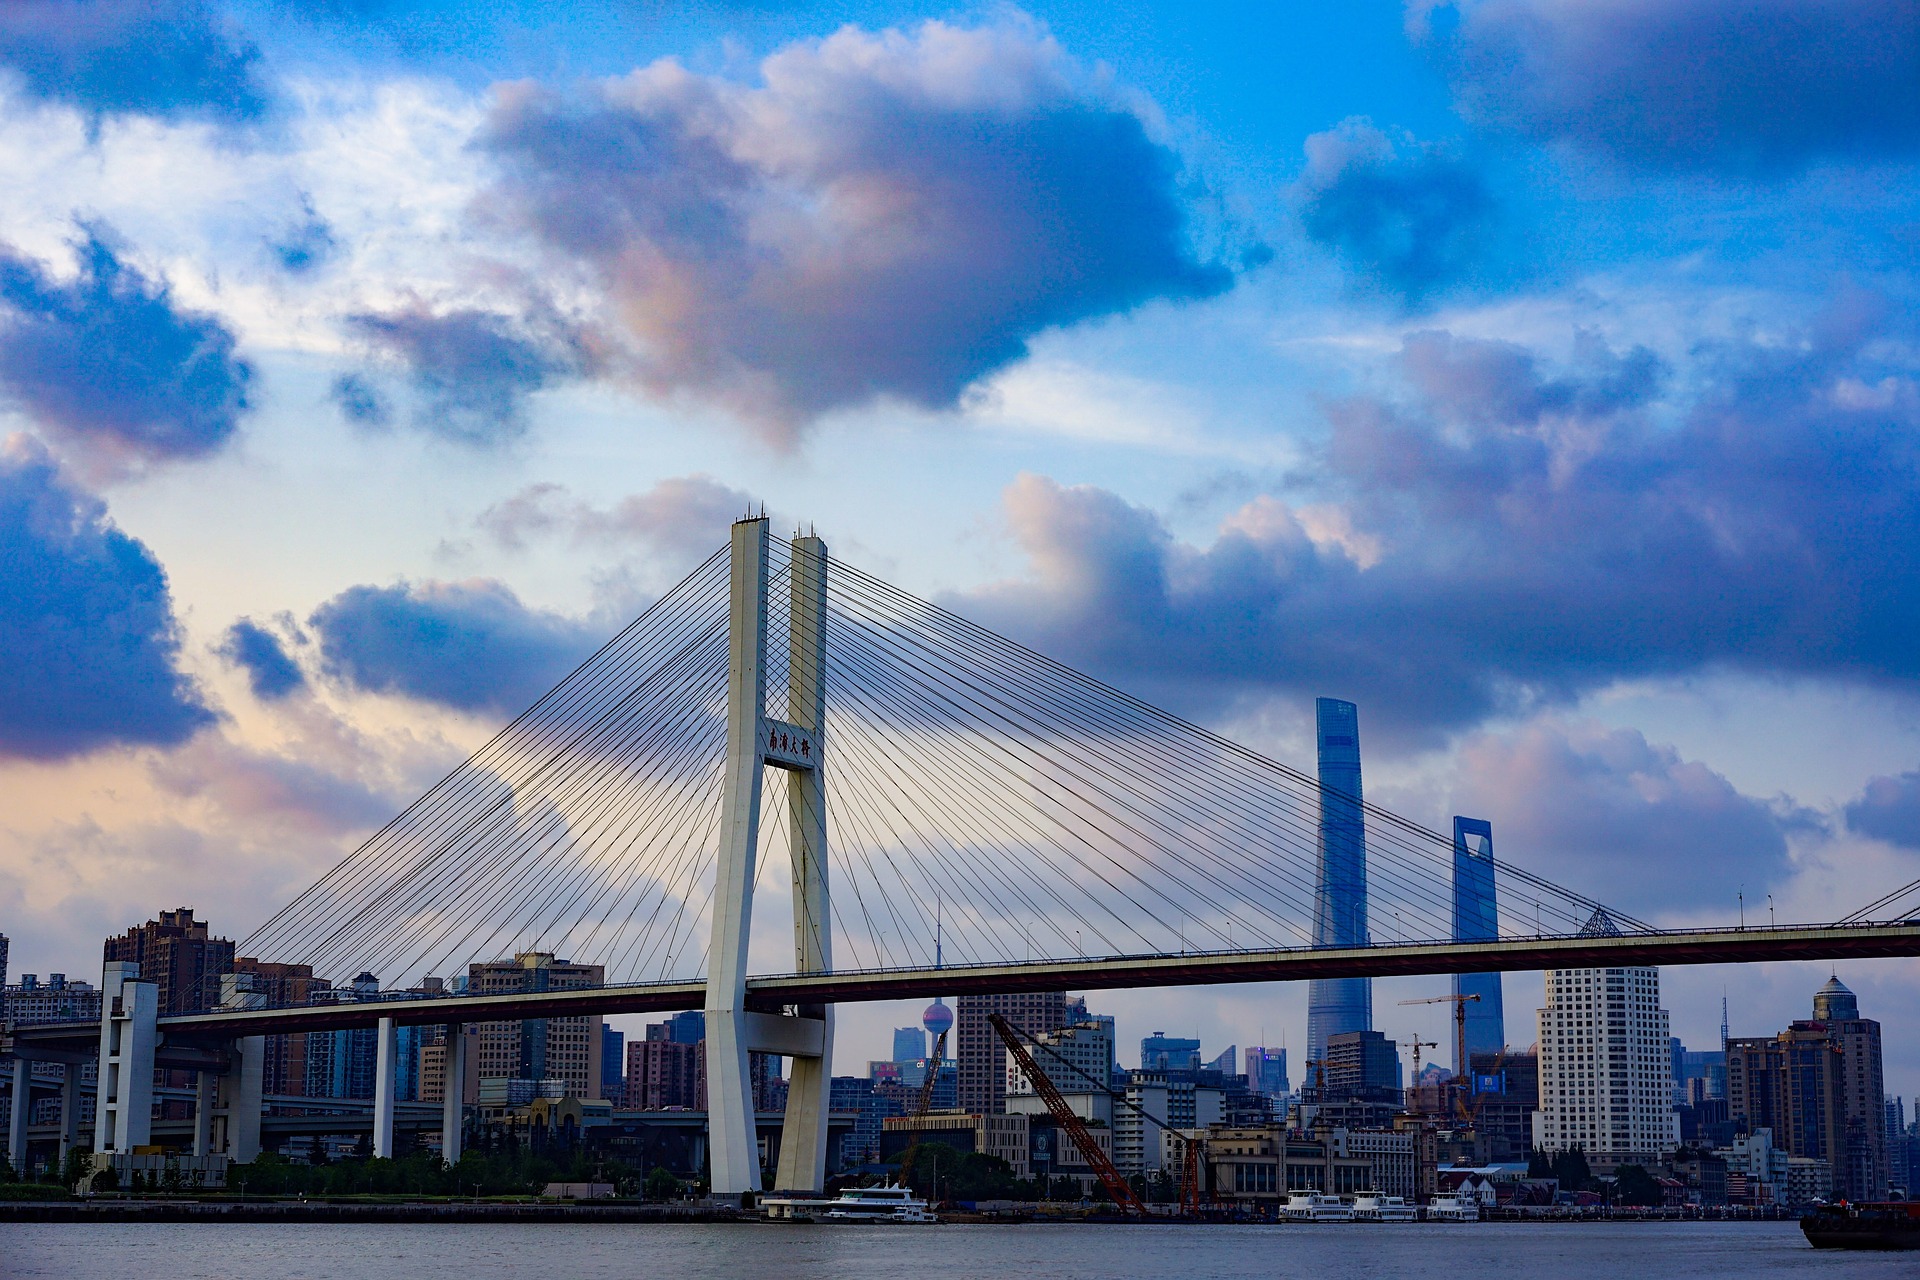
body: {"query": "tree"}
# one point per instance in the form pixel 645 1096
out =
pixel 1571 1168
pixel 1632 1184
pixel 662 1185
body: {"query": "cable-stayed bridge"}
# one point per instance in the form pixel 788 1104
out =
pixel 946 812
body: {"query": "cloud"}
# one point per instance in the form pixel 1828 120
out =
pixel 683 517
pixel 106 359
pixel 472 646
pixel 1889 809
pixel 1405 215
pixel 163 58
pixel 885 215
pixel 1500 534
pixel 87 624
pixel 472 370
pixel 1687 83
pixel 1609 813
pixel 270 672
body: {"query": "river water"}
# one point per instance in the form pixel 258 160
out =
pixel 270 1251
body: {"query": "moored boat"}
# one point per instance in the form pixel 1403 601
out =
pixel 1371 1206
pixel 1863 1226
pixel 889 1203
pixel 1451 1206
pixel 1311 1206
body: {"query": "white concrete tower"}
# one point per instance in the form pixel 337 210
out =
pixel 755 740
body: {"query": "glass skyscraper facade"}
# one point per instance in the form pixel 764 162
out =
pixel 1336 1005
pixel 1476 919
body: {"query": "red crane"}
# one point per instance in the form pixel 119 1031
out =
pixel 1064 1116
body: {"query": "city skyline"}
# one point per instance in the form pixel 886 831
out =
pixel 1556 410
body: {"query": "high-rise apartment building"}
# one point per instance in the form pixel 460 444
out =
pixel 665 1075
pixel 1818 1086
pixel 1476 918
pixel 565 1049
pixel 1335 1005
pixel 177 954
pixel 55 1000
pixel 1605 1066
pixel 978 1051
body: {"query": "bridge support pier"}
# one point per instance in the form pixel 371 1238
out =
pixel 129 1035
pixel 755 740
pixel 386 1050
pixel 240 1091
pixel 453 1111
pixel 205 1084
pixel 17 1115
pixel 69 1110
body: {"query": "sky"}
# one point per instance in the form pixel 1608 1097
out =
pixel 1542 375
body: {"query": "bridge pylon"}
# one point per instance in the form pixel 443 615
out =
pixel 756 740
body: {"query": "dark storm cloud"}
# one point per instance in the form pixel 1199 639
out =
pixel 271 673
pixel 86 623
pixel 1889 809
pixel 1507 536
pixel 472 646
pixel 1404 215
pixel 885 215
pixel 165 58
pixel 108 360
pixel 471 370
pixel 1720 83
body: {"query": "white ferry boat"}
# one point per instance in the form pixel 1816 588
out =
pixel 889 1203
pixel 1453 1207
pixel 1371 1206
pixel 1311 1206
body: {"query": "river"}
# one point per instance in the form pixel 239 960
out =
pixel 1612 1251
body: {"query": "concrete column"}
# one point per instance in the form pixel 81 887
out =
pixel 17 1116
pixel 129 1034
pixel 240 1092
pixel 803 1136
pixel 453 1111
pixel 246 1098
pixel 731 1135
pixel 203 1104
pixel 386 1050
pixel 69 1110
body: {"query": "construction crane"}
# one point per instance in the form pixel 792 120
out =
pixel 1463 1068
pixel 922 1105
pixel 1064 1116
pixel 1418 1045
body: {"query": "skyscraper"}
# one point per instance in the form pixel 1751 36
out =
pixel 909 1043
pixel 1476 919
pixel 1335 1005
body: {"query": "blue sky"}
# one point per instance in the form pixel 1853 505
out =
pixel 1541 374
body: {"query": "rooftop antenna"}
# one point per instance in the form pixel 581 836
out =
pixel 1723 1023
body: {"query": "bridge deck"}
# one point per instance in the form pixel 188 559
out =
pixel 1701 946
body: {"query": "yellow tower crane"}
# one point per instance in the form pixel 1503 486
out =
pixel 1464 1078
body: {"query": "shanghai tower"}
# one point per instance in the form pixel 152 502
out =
pixel 1335 1005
